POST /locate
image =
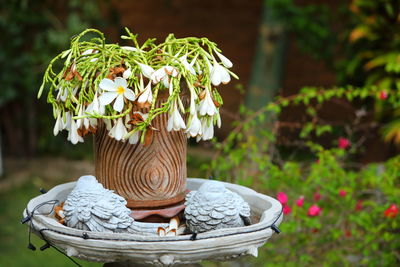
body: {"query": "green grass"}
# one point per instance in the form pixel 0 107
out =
pixel 14 235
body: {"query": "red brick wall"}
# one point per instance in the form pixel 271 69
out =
pixel 232 24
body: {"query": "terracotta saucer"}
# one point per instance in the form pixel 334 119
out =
pixel 158 215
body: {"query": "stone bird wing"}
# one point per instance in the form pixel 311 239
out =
pixel 105 212
pixel 203 216
pixel 77 209
pixel 243 208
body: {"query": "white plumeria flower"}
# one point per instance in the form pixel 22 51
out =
pixel 127 73
pixel 225 61
pixel 134 138
pixel 146 70
pixel 66 123
pixel 95 107
pixel 175 121
pixel 118 131
pixel 193 97
pixel 194 127
pixel 158 75
pixel 62 94
pixel 130 48
pixel 218 120
pixel 90 51
pixel 108 124
pixel 79 121
pixel 207 106
pixel 58 126
pixel 73 135
pixel 207 129
pixel 90 110
pixel 146 95
pixel 189 67
pixel 161 75
pixel 171 71
pixel 117 89
pixel 219 74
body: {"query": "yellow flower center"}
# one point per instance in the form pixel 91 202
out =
pixel 120 90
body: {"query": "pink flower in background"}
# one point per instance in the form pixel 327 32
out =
pixel 317 196
pixel 342 192
pixel 343 143
pixel 282 198
pixel 300 201
pixel 314 210
pixel 392 211
pixel 286 209
pixel 383 95
pixel 359 205
pixel 347 233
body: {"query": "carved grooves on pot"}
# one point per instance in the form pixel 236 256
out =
pixel 149 176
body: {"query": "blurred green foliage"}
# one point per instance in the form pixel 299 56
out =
pixel 32 33
pixel 354 228
pixel 359 40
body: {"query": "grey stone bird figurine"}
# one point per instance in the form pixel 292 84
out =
pixel 214 207
pixel 91 207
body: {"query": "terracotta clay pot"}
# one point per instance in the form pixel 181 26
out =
pixel 150 176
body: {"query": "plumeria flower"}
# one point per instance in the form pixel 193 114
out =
pixel 147 71
pixel 108 124
pixel 130 48
pixel 194 127
pixel 175 121
pixel 225 61
pixel 193 97
pixel 127 73
pixel 189 67
pixel 90 110
pixel 133 120
pixel 62 94
pixel 80 114
pixel 73 135
pixel 118 131
pixel 90 51
pixel 117 89
pixel 66 123
pixel 146 96
pixel 219 75
pixel 95 107
pixel 161 75
pixel 207 129
pixel 58 126
pixel 218 118
pixel 207 106
pixel 134 138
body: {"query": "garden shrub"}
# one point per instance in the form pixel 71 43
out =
pixel 337 211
